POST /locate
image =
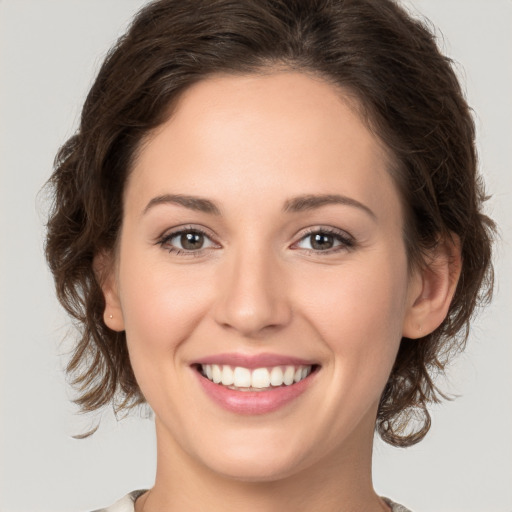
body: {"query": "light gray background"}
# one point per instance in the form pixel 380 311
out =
pixel 49 52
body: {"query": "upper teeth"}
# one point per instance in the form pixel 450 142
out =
pixel 258 378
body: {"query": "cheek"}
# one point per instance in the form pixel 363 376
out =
pixel 358 310
pixel 161 310
pixel 160 307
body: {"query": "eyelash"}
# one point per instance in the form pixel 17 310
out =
pixel 346 241
pixel 184 252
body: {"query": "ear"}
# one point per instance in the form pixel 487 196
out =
pixel 432 287
pixel 104 268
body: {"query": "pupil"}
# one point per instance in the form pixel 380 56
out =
pixel 191 241
pixel 322 241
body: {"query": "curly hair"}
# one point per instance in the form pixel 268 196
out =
pixel 409 96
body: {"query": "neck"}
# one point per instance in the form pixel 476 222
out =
pixel 340 482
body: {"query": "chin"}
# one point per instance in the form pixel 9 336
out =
pixel 252 463
pixel 254 472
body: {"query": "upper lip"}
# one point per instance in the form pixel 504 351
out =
pixel 253 360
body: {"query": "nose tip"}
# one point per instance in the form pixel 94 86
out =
pixel 253 300
pixel 251 317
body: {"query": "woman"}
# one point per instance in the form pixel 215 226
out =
pixel 269 226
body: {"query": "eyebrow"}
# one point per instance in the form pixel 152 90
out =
pixel 293 205
pixel 311 202
pixel 191 202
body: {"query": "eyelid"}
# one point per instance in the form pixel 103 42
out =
pixel 348 242
pixel 187 228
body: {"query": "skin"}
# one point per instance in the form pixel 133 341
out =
pixel 249 144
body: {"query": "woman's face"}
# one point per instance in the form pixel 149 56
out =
pixel 262 245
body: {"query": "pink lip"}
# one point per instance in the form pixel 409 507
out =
pixel 253 361
pixel 254 402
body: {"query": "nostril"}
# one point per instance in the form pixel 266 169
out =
pixel 251 303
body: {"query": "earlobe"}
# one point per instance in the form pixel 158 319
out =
pixel 104 270
pixel 432 289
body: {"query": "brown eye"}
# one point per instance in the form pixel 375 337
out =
pixel 321 241
pixel 187 241
pixel 325 241
pixel 192 241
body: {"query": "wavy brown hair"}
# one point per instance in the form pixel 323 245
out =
pixel 408 94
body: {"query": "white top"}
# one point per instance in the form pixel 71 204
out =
pixel 127 504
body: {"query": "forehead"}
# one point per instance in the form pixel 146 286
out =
pixel 284 133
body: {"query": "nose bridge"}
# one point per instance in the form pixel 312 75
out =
pixel 253 294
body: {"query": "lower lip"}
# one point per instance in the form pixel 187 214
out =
pixel 254 402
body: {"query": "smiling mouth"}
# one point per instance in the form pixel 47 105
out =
pixel 239 378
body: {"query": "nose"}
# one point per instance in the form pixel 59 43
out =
pixel 253 297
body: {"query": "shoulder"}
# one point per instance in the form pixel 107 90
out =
pixel 395 507
pixel 125 504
